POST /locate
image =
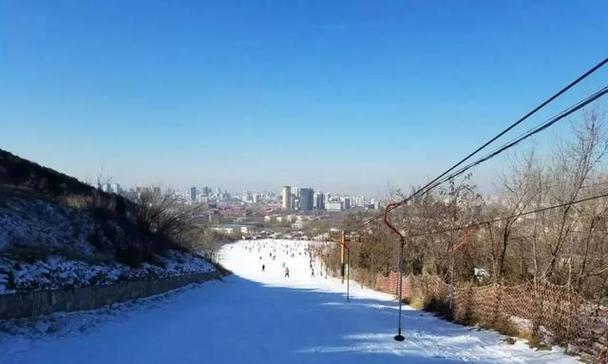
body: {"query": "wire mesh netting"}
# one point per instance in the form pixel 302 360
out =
pixel 540 311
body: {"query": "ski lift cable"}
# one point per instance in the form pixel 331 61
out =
pixel 444 177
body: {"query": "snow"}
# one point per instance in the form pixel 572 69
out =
pixel 260 317
pixel 59 272
pixel 31 222
pixel 38 228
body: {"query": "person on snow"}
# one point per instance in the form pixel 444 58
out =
pixel 286 272
pixel 263 267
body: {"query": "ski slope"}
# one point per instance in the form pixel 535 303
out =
pixel 257 316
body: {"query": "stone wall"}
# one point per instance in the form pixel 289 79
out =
pixel 36 303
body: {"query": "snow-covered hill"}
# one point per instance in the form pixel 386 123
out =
pixel 58 272
pixel 46 246
pixel 257 316
pixel 56 232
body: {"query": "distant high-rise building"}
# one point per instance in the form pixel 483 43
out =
pixel 286 193
pixel 306 198
pixel 116 188
pixel 346 203
pixel 193 193
pixel 319 201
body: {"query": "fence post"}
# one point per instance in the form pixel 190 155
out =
pixel 537 308
pixel 572 314
pixel 497 299
pixel 450 295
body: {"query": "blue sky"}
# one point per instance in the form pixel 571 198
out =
pixel 341 96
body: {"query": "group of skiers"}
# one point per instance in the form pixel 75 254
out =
pixel 286 270
pixel 288 251
pixel 272 256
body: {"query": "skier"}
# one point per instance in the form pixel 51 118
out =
pixel 286 272
pixel 263 267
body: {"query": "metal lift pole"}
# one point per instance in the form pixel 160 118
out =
pixel 389 207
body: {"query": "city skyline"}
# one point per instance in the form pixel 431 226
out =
pixel 202 189
pixel 289 199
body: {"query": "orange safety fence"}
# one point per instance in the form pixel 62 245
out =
pixel 551 313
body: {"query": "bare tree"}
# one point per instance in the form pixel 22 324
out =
pixel 519 194
pixel 572 167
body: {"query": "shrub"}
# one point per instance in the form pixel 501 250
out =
pixel 415 302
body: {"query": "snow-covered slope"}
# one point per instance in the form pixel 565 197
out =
pixel 44 245
pixel 59 272
pixel 32 222
pixel 260 316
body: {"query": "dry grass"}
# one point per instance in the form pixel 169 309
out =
pixel 504 327
pixel 415 302
pixel 535 342
pixel 76 201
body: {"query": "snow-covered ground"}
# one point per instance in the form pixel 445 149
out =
pixel 59 272
pixel 35 236
pixel 260 316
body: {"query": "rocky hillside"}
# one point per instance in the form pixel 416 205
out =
pixel 56 231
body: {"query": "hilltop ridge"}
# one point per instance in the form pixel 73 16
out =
pixel 56 231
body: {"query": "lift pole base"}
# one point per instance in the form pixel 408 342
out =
pixel 399 337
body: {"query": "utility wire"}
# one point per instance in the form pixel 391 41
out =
pixel 433 183
pixel 490 221
pixel 510 144
pixel 519 121
pixel 546 124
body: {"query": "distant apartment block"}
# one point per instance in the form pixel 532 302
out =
pixel 193 194
pixel 286 195
pixel 306 198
